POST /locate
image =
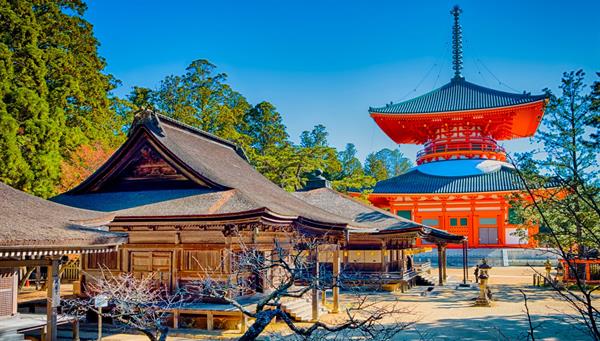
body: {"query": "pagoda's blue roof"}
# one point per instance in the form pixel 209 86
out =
pixel 415 181
pixel 458 95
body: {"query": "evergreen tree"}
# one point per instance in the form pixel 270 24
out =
pixel 395 161
pixel 375 167
pixel 54 96
pixel 202 99
pixel 568 163
pixel 351 175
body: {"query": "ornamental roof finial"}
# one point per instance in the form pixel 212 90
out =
pixel 457 62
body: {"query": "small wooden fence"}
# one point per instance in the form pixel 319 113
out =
pixel 69 272
pixel 587 270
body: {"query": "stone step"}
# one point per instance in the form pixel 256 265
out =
pixel 301 309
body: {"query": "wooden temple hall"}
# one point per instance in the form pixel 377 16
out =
pixel 36 233
pixel 186 198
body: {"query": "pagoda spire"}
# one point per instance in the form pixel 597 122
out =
pixel 457 60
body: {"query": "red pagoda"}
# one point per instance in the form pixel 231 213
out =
pixel 462 181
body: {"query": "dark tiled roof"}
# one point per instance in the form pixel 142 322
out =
pixel 338 203
pixel 234 186
pixel 381 221
pixel 458 95
pixel 177 202
pixel 414 181
pixel 27 221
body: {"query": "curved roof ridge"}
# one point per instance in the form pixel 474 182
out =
pixel 457 95
pixel 203 133
pixel 415 182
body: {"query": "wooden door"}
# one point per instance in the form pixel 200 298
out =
pixel 143 263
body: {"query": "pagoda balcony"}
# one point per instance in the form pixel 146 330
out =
pixel 461 148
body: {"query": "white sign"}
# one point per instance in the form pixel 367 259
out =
pixel 100 301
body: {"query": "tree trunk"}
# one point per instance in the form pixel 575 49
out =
pixel 148 334
pixel 262 321
pixel 164 332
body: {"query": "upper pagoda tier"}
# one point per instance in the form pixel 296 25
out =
pixel 461 120
pixel 460 104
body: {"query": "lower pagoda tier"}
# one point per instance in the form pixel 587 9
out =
pixel 464 197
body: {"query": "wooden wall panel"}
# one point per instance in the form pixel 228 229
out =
pixel 203 260
pixel 153 237
pixel 200 237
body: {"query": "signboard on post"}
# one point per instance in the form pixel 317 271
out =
pixel 100 301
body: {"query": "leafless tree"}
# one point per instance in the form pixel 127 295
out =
pixel 288 272
pixel 142 304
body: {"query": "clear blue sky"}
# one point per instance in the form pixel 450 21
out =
pixel 325 62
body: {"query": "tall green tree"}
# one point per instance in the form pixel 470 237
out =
pixel 375 167
pixel 202 98
pixel 395 161
pixel 386 163
pixel 265 129
pixel 317 153
pixel 351 175
pixel 54 95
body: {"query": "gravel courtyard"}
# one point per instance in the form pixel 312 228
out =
pixel 448 314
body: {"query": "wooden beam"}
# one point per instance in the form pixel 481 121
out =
pixel 14 263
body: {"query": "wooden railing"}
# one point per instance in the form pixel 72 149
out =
pixel 70 271
pixel 463 146
pixel 422 267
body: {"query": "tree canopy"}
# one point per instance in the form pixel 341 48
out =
pixel 54 95
pixel 59 119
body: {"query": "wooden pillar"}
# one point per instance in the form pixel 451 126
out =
pixel 38 276
pixel 175 319
pixel 346 257
pixel 53 300
pixel 336 276
pixel 75 327
pixel 244 323
pixel 314 256
pixel 445 265
pixel 440 271
pixel 384 257
pixel 402 261
pixel 209 321
pixel 465 266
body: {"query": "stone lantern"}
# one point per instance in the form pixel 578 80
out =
pixel 548 267
pixel 560 273
pixel 483 299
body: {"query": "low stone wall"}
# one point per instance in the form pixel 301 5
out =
pixel 495 257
